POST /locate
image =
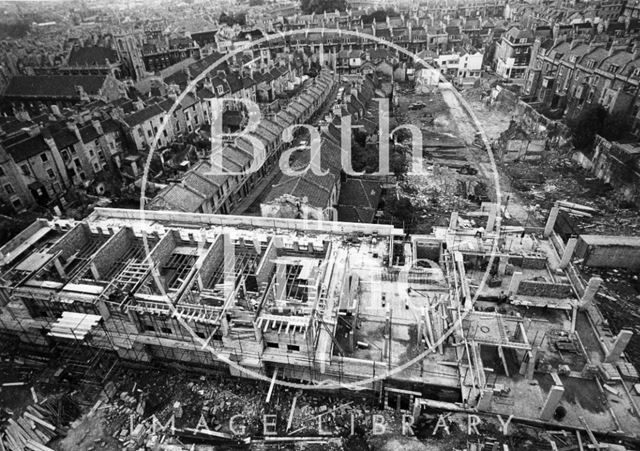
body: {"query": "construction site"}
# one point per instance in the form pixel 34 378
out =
pixel 497 322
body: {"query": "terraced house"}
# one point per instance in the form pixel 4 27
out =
pixel 570 77
pixel 216 186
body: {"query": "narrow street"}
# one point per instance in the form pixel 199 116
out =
pixel 493 123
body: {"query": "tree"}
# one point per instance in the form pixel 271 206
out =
pixel 586 125
pixel 231 20
pixel 616 126
pixel 379 15
pixel 321 6
pixel 596 120
pixel 401 209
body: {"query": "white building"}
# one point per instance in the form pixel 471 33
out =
pixel 460 67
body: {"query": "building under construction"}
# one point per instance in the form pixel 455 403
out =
pixel 490 318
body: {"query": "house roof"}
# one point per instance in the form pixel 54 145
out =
pixel 65 138
pixel 27 148
pixel 177 197
pixel 143 115
pixel 88 133
pixel 316 189
pixel 92 56
pixel 53 86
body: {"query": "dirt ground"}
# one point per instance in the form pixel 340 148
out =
pixel 89 433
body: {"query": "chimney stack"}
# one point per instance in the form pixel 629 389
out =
pixel 98 126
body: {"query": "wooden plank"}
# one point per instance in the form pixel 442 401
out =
pixel 589 432
pixel 273 383
pixel 40 421
pixel 579 437
pixel 291 412
pixel 34 446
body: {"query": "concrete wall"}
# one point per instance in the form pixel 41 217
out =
pixel 72 241
pixel 162 251
pixel 213 260
pixel 244 221
pixel 112 250
pixel 610 256
pixel 265 268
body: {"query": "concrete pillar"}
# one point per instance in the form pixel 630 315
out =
pixel 531 365
pixel 551 220
pixel 622 340
pixel 453 222
pixel 552 401
pixel 504 360
pixel 59 268
pixel 484 403
pixel 516 278
pixel 590 292
pixel 502 265
pixel 224 325
pixel 417 409
pixel 258 333
pixel 574 318
pixel 94 271
pixel 491 220
pixel 568 252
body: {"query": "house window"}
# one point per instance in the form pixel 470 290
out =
pixel 51 174
pixel 140 133
pixel 44 157
pixel 166 330
pixel 91 153
pixel 25 169
pixel 220 90
pixel 293 348
pixel 65 155
pixel 9 189
pixel 272 345
pixel 17 203
pixel 96 167
pixel 149 133
pixel 2 174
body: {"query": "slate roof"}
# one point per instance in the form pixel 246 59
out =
pixel 143 115
pixel 53 86
pixel 177 197
pixel 358 200
pixel 92 56
pixel 316 189
pixel 89 133
pixel 64 138
pixel 27 148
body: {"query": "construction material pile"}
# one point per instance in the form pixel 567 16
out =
pixel 39 424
